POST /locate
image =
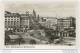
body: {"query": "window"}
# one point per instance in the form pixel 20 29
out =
pixel 14 19
pixel 5 19
pixel 11 19
pixel 14 22
pixel 5 23
pixel 17 19
pixel 8 22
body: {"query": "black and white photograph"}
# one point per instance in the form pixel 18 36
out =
pixel 40 23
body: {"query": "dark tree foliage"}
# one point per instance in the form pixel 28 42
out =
pixel 32 42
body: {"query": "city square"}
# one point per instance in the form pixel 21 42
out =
pixel 31 28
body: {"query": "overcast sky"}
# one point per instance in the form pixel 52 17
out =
pixel 49 8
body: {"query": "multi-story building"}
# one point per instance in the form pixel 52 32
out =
pixel 64 26
pixel 48 22
pixel 51 23
pixel 20 22
pixel 42 21
pixel 12 20
pixel 24 24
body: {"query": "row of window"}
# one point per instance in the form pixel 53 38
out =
pixel 11 19
pixel 11 23
pixel 11 26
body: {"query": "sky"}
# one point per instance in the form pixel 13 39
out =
pixel 44 8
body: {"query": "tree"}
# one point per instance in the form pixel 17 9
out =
pixel 32 42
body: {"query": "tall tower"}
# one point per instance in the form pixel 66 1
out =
pixel 34 14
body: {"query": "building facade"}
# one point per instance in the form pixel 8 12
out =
pixel 51 23
pixel 64 27
pixel 12 20
pixel 24 24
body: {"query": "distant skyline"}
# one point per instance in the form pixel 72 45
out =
pixel 51 9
